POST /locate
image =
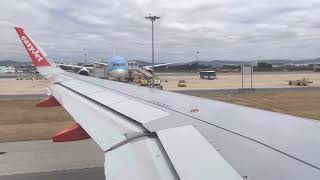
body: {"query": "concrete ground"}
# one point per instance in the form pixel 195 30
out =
pixel 46 156
pixel 74 174
pixel 14 87
pixel 19 97
pixel 224 81
pixel 234 80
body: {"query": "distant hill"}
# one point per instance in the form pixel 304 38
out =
pixel 13 63
pixel 302 61
pixel 213 62
pixel 272 61
pixel 221 62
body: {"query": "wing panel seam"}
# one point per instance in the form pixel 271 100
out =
pixel 131 138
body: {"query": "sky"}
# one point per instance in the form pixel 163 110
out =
pixel 228 29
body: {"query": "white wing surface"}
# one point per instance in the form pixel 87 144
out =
pixel 152 134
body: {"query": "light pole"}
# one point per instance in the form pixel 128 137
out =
pixel 85 58
pixel 152 19
pixel 197 56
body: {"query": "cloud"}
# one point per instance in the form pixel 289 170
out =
pixel 229 29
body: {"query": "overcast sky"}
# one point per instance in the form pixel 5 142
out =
pixel 219 29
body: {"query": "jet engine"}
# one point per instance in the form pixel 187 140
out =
pixel 84 72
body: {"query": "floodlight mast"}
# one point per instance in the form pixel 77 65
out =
pixel 85 55
pixel 152 19
pixel 197 56
pixel 85 58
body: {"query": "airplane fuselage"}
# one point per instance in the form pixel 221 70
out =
pixel 118 67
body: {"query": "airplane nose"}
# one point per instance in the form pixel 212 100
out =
pixel 118 73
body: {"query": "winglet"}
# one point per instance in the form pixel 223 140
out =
pixel 37 56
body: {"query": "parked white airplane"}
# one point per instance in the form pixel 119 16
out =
pixel 152 134
pixel 118 67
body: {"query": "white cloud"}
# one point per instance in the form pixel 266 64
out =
pixel 228 29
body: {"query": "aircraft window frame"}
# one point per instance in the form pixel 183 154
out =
pixel 118 64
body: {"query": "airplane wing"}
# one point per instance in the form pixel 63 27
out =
pixel 159 65
pixel 83 70
pixel 70 66
pixel 152 134
pixel 101 63
pixel 73 66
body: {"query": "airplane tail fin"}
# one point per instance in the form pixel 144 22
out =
pixel 37 55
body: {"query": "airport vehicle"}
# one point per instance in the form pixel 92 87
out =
pixel 210 75
pixel 144 82
pixel 300 82
pixel 182 83
pixel 147 81
pixel 316 67
pixel 152 134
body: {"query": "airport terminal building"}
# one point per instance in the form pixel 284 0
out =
pixel 7 70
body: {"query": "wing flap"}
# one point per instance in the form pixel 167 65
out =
pixel 140 159
pixel 186 144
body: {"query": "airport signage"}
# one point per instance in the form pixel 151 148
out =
pixel 246 70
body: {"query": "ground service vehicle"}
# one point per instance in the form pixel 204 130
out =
pixel 182 83
pixel 210 75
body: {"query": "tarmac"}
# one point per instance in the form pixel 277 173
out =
pixel 47 160
pixel 245 90
pixel 13 87
pixel 234 80
pixel 14 97
pixel 170 82
pixel 75 174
